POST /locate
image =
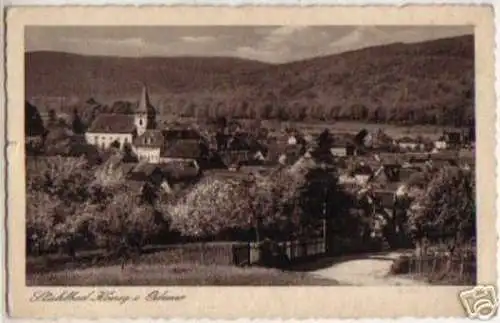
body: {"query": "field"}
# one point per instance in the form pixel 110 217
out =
pixel 395 131
pixel 314 128
pixel 175 274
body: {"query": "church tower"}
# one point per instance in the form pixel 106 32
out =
pixel 145 114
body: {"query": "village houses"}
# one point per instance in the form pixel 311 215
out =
pixel 139 130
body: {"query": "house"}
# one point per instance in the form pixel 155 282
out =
pixel 121 129
pixel 406 172
pixel 290 155
pixel 417 158
pixel 441 143
pixel 147 146
pixel 382 141
pixel 144 171
pixel 444 158
pixel 185 150
pixel 295 138
pixel 453 138
pixel 292 140
pixel 467 156
pixel 407 143
pixel 241 149
pixel 180 133
pixel 338 151
pixel 168 177
pixel 181 172
pixel 362 173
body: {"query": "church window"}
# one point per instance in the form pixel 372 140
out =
pixel 140 122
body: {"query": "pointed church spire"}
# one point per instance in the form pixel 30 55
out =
pixel 144 101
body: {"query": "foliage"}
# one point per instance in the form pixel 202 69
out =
pixel 208 209
pixel 128 154
pixel 58 141
pixel 57 187
pixel 445 212
pixel 33 123
pixel 77 124
pixel 125 224
pixel 65 178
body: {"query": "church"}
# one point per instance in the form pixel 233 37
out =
pixel 137 129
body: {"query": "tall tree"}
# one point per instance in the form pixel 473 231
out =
pixel 52 121
pixel 33 123
pixel 77 124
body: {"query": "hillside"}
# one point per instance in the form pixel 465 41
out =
pixel 429 82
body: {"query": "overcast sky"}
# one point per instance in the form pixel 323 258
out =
pixel 274 44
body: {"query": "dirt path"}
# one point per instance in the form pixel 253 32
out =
pixel 371 269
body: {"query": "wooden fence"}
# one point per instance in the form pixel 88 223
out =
pixel 442 267
pixel 282 252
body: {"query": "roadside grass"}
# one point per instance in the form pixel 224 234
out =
pixel 175 274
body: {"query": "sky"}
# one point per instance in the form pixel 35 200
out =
pixel 271 44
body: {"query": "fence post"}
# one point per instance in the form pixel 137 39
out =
pixel 462 260
pixel 324 236
pixel 202 253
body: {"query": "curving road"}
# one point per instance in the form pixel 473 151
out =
pixel 371 269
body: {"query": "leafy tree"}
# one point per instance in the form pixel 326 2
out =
pixel 115 144
pixel 58 141
pixel 57 188
pixel 125 226
pixel 77 124
pixel 33 123
pixel 208 209
pixel 325 140
pixel 218 206
pixel 445 212
pixel 128 154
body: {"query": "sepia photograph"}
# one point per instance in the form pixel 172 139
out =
pixel 250 155
pixel 251 162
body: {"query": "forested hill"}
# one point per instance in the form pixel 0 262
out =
pixel 428 82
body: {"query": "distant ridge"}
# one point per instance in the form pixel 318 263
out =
pixel 394 82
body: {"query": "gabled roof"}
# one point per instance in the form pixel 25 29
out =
pixel 407 140
pixel 181 133
pixel 363 170
pixel 179 171
pixel 145 168
pixel 187 149
pixel 150 138
pixel 113 123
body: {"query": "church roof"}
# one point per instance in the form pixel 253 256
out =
pixel 113 123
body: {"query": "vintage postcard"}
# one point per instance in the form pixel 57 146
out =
pixel 251 162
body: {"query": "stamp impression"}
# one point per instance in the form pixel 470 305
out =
pixel 480 302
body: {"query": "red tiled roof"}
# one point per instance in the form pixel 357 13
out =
pixel 113 123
